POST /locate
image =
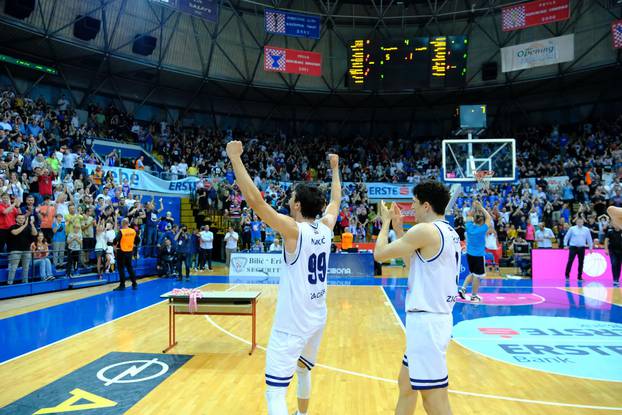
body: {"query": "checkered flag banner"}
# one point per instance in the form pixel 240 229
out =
pixel 616 33
pixel 275 21
pixel 274 59
pixel 513 17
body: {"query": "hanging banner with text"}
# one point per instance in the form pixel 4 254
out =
pixel 616 33
pixel 538 53
pixel 292 61
pixel 205 9
pixel 292 24
pixel 534 13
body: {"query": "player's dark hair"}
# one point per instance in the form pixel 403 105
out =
pixel 434 193
pixel 311 200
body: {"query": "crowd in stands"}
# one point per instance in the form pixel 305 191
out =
pixel 54 212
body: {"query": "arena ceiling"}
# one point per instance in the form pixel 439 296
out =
pixel 217 67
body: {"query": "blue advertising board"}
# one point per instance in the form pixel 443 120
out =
pixel 345 264
pixel 292 24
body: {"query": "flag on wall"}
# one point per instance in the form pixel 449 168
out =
pixel 534 13
pixel 616 33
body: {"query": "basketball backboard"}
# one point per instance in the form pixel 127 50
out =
pixel 462 158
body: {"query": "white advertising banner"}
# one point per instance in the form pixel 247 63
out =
pixel 252 265
pixel 538 53
pixel 140 180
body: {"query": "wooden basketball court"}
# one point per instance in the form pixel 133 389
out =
pixel 356 367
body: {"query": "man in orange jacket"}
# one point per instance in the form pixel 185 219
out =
pixel 125 248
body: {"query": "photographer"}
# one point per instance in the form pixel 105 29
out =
pixel 184 250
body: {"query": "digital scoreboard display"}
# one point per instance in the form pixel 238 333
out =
pixel 416 63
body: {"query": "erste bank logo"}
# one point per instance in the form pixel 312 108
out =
pixel 567 346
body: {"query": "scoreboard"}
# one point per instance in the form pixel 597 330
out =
pixel 415 63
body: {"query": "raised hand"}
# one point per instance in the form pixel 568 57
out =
pixel 334 161
pixel 385 214
pixel 234 149
pixel 396 215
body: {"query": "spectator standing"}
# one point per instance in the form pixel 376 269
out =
pixel 88 235
pixel 74 245
pixel 151 228
pixel 255 229
pixel 577 239
pixel 8 213
pixel 184 253
pixel 544 236
pixel 125 249
pixel 59 239
pixel 19 239
pixel 206 246
pixel 231 243
pixel 47 212
pixel 613 247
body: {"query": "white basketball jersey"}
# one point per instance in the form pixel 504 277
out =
pixel 301 305
pixel 432 283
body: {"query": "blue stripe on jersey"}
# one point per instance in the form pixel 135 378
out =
pixel 442 244
pixel 278 378
pixel 306 361
pixel 305 365
pixel 440 251
pixel 422 388
pixel 299 250
pixel 429 380
pixel 283 385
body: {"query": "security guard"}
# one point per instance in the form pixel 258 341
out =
pixel 125 248
pixel 613 245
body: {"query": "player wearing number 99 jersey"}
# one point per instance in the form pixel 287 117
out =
pixel 301 306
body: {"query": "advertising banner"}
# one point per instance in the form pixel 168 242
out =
pixel 549 266
pixel 140 180
pixel 292 61
pixel 292 24
pixel 534 13
pixel 538 53
pixel 270 264
pixel 407 211
pixel 379 191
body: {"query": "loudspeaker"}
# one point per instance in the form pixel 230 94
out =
pixel 144 45
pixel 86 27
pixel 489 71
pixel 20 9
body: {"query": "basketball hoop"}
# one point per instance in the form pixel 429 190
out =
pixel 483 178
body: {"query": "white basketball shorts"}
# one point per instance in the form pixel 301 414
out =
pixel 285 351
pixel 427 338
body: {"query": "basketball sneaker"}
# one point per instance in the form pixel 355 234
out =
pixel 476 298
pixel 462 293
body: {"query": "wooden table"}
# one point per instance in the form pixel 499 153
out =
pixel 215 303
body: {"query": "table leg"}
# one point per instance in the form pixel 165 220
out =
pixel 254 316
pixel 171 329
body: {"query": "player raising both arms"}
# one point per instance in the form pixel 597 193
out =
pixel 301 306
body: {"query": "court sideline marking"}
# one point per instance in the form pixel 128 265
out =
pixel 363 375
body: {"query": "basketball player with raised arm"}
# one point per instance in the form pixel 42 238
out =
pixel 301 306
pixel 478 224
pixel 615 213
pixel 433 247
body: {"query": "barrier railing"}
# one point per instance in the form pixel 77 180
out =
pixel 59 263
